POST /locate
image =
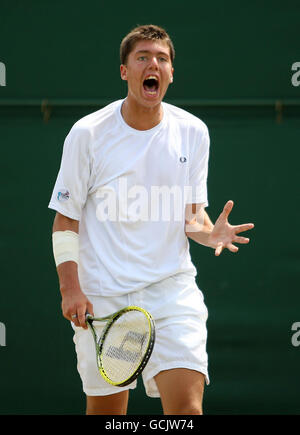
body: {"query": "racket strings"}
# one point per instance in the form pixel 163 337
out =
pixel 125 346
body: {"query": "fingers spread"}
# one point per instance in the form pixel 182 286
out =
pixel 244 227
pixel 242 240
pixel 219 249
pixel 227 208
pixel 232 248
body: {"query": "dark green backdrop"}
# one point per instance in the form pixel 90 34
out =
pixel 233 70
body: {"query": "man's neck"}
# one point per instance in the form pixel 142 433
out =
pixel 141 117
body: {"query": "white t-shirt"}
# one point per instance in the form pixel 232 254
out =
pixel 128 188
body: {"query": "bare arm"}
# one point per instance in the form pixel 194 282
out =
pixel 217 236
pixel 74 300
pixel 198 225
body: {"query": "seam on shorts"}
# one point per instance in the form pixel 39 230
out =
pixel 106 392
pixel 176 365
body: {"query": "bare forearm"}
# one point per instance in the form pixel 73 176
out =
pixel 74 302
pixel 200 228
pixel 68 278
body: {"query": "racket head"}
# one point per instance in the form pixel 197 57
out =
pixel 125 345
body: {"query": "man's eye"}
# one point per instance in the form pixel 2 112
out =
pixel 142 58
pixel 163 59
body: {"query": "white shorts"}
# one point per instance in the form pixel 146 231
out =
pixel 178 308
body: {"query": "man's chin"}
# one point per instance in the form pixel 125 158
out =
pixel 151 100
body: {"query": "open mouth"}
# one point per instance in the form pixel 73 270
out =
pixel 151 85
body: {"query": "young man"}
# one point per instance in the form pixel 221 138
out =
pixel 130 190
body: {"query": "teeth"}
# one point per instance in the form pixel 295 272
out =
pixel 151 77
pixel 151 92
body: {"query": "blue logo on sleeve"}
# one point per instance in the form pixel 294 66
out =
pixel 63 195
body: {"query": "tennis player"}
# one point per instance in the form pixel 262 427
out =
pixel 130 191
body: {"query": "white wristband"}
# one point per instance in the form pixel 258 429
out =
pixel 65 246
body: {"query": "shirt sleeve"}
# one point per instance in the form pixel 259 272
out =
pixel 72 184
pixel 197 193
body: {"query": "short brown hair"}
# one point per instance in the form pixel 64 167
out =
pixel 148 32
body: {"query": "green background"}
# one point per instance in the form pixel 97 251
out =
pixel 233 70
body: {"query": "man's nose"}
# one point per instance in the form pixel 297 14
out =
pixel 154 62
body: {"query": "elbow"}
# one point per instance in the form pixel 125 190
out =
pixel 64 223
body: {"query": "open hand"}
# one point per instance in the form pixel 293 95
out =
pixel 224 235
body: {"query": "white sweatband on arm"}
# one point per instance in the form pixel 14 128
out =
pixel 65 246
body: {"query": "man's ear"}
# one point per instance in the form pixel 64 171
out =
pixel 171 77
pixel 123 71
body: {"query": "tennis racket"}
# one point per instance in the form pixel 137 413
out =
pixel 125 344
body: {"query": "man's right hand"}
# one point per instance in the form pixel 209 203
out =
pixel 75 303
